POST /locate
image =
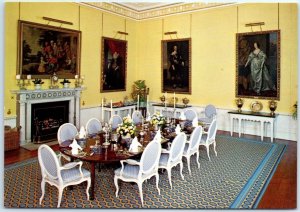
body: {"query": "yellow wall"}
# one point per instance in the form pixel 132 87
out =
pixel 213 48
pixel 213 34
pixel 89 22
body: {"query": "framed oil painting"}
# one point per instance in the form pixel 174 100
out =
pixel 176 66
pixel 114 62
pixel 258 65
pixel 45 50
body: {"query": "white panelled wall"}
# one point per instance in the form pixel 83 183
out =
pixel 285 126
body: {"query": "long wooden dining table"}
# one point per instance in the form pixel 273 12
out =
pixel 108 154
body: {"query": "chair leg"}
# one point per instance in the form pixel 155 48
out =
pixel 188 163
pixel 140 185
pixel 157 179
pixel 215 148
pixel 60 191
pixel 181 168
pixel 207 150
pixel 169 176
pixel 87 188
pixel 43 190
pixel 116 185
pixel 197 159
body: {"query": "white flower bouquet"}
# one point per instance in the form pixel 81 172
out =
pixel 127 127
pixel 157 119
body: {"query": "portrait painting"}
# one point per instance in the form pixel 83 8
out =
pixel 114 61
pixel 45 50
pixel 176 66
pixel 258 65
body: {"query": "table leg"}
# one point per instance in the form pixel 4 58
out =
pixel 231 126
pixel 240 123
pixel 272 131
pixel 92 189
pixel 261 130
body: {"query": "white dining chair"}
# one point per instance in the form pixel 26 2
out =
pixel 66 132
pixel 93 126
pixel 209 138
pixel 210 113
pixel 173 157
pixel 139 171
pixel 115 120
pixel 192 146
pixel 60 176
pixel 190 114
pixel 137 117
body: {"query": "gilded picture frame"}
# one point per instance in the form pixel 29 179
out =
pixel 114 65
pixel 176 65
pixel 258 65
pixel 44 50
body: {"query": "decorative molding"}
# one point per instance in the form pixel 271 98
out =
pixel 155 12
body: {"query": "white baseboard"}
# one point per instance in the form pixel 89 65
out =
pixel 285 127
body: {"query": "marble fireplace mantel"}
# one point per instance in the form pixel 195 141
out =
pixel 25 98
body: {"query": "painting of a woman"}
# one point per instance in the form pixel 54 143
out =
pixel 258 65
pixel 260 79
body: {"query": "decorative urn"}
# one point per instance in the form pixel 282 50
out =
pixel 239 102
pixel 185 101
pixel 162 98
pixel 272 106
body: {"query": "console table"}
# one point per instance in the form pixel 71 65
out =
pixel 168 110
pixel 252 116
pixel 121 111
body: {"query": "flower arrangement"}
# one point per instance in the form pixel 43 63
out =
pixel 65 81
pixel 127 127
pixel 37 81
pixel 158 119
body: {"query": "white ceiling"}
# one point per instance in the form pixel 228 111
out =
pixel 143 6
pixel 147 10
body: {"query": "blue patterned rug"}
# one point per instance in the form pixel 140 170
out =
pixel 236 178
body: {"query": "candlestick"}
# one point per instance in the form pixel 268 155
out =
pixel 174 100
pixel 165 99
pixel 102 110
pixel 138 102
pixel 111 110
pixel 147 105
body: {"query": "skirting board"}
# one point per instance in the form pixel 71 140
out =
pixel 285 126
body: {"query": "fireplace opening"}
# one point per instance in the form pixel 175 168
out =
pixel 46 118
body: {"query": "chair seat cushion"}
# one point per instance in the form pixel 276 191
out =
pixel 163 159
pixel 205 120
pixel 69 175
pixel 129 171
pixel 186 147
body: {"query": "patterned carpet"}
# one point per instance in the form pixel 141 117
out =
pixel 236 178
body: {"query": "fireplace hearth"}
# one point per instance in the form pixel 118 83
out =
pixel 46 118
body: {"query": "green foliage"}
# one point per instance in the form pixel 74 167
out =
pixel 140 84
pixel 65 81
pixel 295 110
pixel 37 81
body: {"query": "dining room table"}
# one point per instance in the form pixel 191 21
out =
pixel 96 151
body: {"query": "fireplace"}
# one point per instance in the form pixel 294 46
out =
pixel 46 118
pixel 26 99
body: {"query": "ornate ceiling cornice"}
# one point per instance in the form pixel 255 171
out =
pixel 155 12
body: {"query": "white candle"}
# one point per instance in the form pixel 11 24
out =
pixel 165 99
pixel 28 77
pixel 174 100
pixel 147 105
pixel 76 76
pixel 102 110
pixel 138 102
pixel 111 110
pixel 18 77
